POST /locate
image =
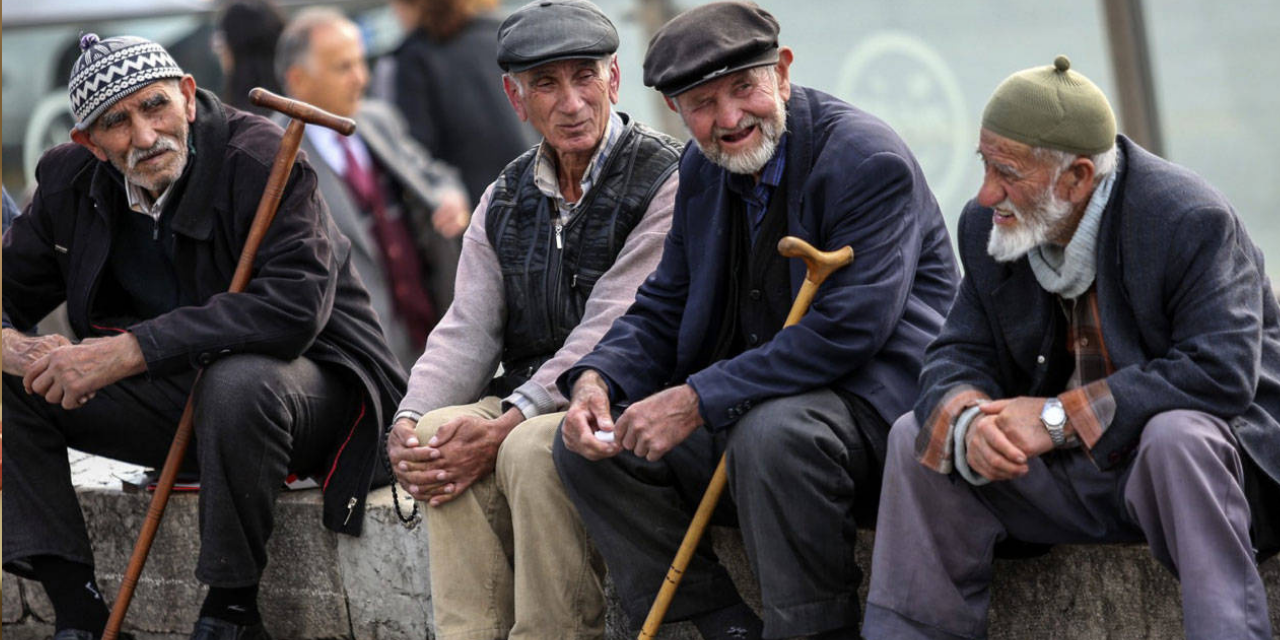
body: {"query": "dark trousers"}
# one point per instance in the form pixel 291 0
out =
pixel 256 419
pixel 799 472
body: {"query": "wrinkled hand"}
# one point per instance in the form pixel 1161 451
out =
pixel 589 411
pixel 71 375
pixel 408 458
pixel 1005 436
pixel 462 452
pixel 652 427
pixel 21 351
pixel 453 214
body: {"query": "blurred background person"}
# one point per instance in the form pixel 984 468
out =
pixel 245 41
pixel 443 79
pixel 402 210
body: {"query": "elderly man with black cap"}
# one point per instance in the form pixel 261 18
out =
pixel 701 363
pixel 1109 373
pixel 554 253
pixel 138 226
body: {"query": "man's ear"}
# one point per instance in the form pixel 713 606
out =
pixel 188 87
pixel 671 104
pixel 83 139
pixel 615 79
pixel 1077 180
pixel 513 96
pixel 785 57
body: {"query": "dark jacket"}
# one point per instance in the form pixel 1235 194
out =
pixel 451 94
pixel 303 298
pixel 850 182
pixel 1187 313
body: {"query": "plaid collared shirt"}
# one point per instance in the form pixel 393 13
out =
pixel 1088 402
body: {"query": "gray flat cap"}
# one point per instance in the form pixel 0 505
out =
pixel 549 30
pixel 707 42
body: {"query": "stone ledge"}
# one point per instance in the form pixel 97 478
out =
pixel 321 585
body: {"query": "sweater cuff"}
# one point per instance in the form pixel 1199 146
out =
pixel 531 398
pixel 961 447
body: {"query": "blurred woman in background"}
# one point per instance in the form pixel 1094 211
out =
pixel 245 41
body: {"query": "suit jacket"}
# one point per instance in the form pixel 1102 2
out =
pixel 416 179
pixel 1187 314
pixel 850 181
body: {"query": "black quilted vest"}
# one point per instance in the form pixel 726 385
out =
pixel 548 271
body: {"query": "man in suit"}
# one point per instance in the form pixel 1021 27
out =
pixel 702 364
pixel 1110 372
pixel 401 209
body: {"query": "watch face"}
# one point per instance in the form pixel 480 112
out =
pixel 1053 414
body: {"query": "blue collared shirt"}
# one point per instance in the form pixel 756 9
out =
pixel 755 194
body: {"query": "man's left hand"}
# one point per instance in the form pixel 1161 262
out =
pixel 462 452
pixel 71 375
pixel 652 427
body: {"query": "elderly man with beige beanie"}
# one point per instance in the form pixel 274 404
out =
pixel 1110 372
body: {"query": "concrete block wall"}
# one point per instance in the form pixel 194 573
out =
pixel 324 586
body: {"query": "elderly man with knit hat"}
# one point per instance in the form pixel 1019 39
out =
pixel 1109 373
pixel 702 364
pixel 138 225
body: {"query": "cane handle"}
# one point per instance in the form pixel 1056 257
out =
pixel 309 114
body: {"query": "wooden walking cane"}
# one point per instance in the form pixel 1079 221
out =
pixel 300 113
pixel 820 264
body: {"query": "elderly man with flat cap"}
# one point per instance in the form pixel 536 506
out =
pixel 138 225
pixel 554 253
pixel 1110 372
pixel 701 363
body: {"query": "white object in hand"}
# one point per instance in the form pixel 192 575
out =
pixel 604 436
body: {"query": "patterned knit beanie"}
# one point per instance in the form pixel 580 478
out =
pixel 109 70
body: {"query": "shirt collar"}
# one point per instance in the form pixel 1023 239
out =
pixel 140 200
pixel 544 165
pixel 770 175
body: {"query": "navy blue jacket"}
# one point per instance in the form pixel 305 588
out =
pixel 1188 316
pixel 850 181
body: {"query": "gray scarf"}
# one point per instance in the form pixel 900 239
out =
pixel 1069 271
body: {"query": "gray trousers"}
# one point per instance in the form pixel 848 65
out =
pixel 794 464
pixel 256 419
pixel 1182 492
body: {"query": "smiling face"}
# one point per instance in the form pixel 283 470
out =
pixel 1033 202
pixel 737 120
pixel 567 101
pixel 145 134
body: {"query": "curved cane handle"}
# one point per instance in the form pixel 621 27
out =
pixel 820 264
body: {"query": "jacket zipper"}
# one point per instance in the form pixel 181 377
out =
pixel 351 508
pixel 553 302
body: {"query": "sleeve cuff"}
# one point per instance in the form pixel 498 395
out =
pixel 1090 410
pixel 934 444
pixel 961 430
pixel 531 399
pixel 407 413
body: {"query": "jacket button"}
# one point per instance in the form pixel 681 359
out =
pixel 1040 359
pixel 205 358
pixel 755 294
pixel 753 339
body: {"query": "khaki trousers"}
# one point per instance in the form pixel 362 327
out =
pixel 509 557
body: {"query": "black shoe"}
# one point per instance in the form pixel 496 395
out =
pixel 216 629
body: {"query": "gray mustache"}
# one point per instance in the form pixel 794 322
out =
pixel 162 143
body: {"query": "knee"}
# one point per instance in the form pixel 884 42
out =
pixel 902 436
pixel 770 438
pixel 431 422
pixel 240 386
pixel 528 447
pixel 1184 434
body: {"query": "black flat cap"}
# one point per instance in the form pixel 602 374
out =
pixel 549 30
pixel 707 42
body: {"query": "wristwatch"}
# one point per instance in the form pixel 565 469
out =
pixel 1054 417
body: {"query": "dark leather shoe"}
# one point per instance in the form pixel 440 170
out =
pixel 215 629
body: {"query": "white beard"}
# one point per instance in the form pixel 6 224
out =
pixel 749 161
pixel 1033 228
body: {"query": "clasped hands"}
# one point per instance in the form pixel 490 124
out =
pixel 1005 436
pixel 70 374
pixel 463 451
pixel 649 428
